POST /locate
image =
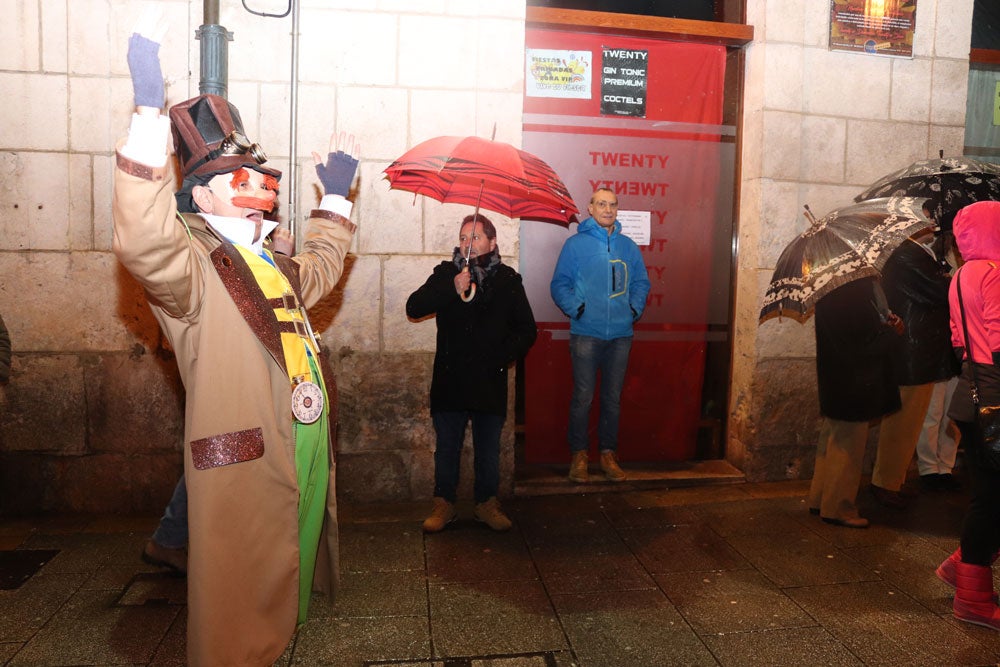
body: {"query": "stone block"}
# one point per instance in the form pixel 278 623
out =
pixel 384 402
pixel 422 474
pixel 349 317
pixel 102 233
pixel 427 48
pixel 20 50
pixel 363 53
pixel 911 90
pixel 949 91
pixel 403 275
pixel 135 402
pixel 785 413
pixel 783 74
pixel 863 94
pixel 104 310
pixel 80 234
pixel 869 142
pixel 949 139
pixel 55 55
pixel 952 37
pixel 823 141
pixel 357 106
pixel 46 405
pixel 427 119
pixel 784 21
pixel 381 476
pixel 783 139
pixel 34 190
pixel 103 483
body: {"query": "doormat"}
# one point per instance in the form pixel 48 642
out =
pixel 19 565
pixel 543 659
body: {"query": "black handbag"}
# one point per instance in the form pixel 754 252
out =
pixel 987 447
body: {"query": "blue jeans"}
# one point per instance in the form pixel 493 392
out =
pixel 590 355
pixel 173 529
pixel 450 429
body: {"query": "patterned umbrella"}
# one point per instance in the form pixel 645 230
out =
pixel 486 174
pixel 950 184
pixel 847 244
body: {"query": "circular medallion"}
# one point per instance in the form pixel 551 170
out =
pixel 307 402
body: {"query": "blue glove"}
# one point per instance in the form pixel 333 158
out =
pixel 337 174
pixel 144 65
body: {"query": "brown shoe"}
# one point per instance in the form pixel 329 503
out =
pixel 175 560
pixel 849 522
pixel 442 514
pixel 578 468
pixel 609 464
pixel 888 498
pixel 489 512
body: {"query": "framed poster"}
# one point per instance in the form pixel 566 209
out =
pixel 880 27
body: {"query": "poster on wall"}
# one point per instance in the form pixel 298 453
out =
pixel 623 82
pixel 880 27
pixel 558 73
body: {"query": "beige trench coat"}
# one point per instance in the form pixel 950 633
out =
pixel 239 454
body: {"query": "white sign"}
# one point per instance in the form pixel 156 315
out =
pixel 635 225
pixel 558 73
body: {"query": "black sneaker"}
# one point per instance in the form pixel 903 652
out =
pixel 930 482
pixel 947 482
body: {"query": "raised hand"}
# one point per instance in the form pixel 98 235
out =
pixel 144 60
pixel 337 172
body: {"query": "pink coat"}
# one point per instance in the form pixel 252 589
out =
pixel 977 233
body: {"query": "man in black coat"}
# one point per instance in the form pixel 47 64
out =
pixel 857 383
pixel 916 288
pixel 484 324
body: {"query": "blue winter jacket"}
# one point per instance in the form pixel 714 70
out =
pixel 606 275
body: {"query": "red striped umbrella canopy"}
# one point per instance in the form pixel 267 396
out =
pixel 487 174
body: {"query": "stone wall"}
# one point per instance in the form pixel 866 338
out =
pixel 819 126
pixel 94 411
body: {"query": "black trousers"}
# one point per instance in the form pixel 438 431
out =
pixel 981 527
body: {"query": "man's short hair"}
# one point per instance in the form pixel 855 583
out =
pixel 602 189
pixel 480 219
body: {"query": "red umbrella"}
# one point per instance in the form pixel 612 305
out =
pixel 486 174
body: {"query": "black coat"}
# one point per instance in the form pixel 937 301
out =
pixel 916 287
pixel 854 365
pixel 476 341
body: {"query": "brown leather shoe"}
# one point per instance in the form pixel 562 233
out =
pixel 442 514
pixel 849 522
pixel 578 468
pixel 174 560
pixel 893 499
pixel 609 464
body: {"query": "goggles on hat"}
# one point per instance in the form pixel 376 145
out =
pixel 235 143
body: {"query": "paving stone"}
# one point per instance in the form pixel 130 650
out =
pixel 652 517
pixel 375 594
pixel 882 625
pixel 799 558
pixel 579 566
pixel 476 553
pixel 381 547
pixel 788 647
pixel 348 642
pixel 91 630
pixel 25 610
pixel 909 565
pixel 634 628
pixel 691 548
pixel 733 601
pixel 753 517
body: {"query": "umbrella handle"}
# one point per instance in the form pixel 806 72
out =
pixel 471 294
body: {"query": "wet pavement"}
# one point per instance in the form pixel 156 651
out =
pixel 728 574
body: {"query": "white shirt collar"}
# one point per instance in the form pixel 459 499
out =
pixel 240 230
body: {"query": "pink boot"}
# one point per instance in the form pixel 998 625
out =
pixel 946 570
pixel 974 601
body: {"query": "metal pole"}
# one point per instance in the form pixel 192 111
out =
pixel 293 130
pixel 214 58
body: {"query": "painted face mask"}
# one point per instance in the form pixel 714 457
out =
pixel 260 197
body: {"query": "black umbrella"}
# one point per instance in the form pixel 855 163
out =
pixel 950 183
pixel 848 244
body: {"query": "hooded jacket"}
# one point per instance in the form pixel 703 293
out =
pixel 600 282
pixel 977 233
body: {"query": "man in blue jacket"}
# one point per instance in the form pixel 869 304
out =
pixel 600 283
